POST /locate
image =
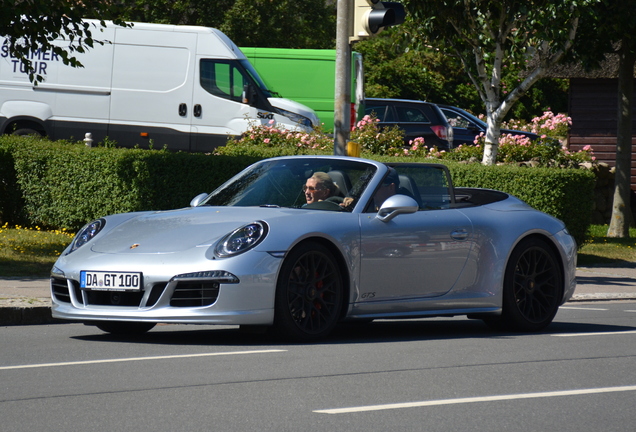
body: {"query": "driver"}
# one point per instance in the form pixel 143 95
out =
pixel 319 187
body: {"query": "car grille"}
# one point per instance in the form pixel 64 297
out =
pixel 186 294
pixel 59 288
pixel 194 293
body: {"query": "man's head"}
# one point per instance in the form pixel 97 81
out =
pixel 388 187
pixel 319 187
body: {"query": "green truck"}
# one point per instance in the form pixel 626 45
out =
pixel 308 76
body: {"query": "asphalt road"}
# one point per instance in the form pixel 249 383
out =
pixel 420 375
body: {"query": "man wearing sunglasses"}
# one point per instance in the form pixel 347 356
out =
pixel 319 187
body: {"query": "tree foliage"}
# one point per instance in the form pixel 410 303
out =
pixel 489 35
pixel 34 25
pixel 262 23
pixel 396 69
pixel 281 23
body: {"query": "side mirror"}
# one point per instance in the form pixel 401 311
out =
pixel 396 205
pixel 249 95
pixel 198 199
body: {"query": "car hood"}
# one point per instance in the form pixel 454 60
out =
pixel 177 230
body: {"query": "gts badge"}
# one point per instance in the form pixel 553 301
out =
pixel 265 115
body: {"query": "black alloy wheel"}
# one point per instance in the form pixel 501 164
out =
pixel 533 287
pixel 308 294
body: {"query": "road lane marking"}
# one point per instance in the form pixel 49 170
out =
pixel 130 359
pixel 582 308
pixel 476 399
pixel 595 333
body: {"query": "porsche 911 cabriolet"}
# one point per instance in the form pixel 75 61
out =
pixel 298 244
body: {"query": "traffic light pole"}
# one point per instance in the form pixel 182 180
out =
pixel 342 108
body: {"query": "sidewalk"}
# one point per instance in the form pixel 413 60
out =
pixel 28 301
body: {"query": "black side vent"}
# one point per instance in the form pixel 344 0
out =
pixel 155 293
pixel 60 290
pixel 194 293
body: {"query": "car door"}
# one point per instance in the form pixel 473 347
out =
pixel 414 255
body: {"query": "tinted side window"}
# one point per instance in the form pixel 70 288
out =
pixel 222 78
pixel 379 110
pixel 411 115
pixel 456 119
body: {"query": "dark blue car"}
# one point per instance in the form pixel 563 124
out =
pixel 466 126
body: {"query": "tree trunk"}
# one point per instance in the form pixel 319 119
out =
pixel 621 211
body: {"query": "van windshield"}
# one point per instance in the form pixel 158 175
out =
pixel 255 77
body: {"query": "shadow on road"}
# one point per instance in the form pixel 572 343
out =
pixel 378 331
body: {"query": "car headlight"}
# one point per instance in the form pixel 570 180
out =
pixel 297 118
pixel 241 239
pixel 87 233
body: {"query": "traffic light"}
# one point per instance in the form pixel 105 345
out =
pixel 370 17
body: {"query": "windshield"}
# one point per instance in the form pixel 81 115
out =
pixel 280 183
pixel 257 79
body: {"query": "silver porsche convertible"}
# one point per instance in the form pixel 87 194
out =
pixel 298 244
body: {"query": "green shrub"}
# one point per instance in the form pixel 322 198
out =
pixel 65 185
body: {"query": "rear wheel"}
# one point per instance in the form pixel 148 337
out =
pixel 123 328
pixel 533 288
pixel 308 293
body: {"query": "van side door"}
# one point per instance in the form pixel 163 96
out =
pixel 152 88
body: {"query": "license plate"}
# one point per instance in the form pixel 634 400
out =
pixel 110 281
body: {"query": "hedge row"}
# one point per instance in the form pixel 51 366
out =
pixel 64 185
pixel 61 184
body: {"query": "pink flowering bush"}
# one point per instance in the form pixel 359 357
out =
pixel 285 141
pixel 513 149
pixel 548 150
pixel 388 141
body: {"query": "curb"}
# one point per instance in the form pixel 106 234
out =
pixel 29 315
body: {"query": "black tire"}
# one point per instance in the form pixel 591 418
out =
pixel 308 294
pixel 123 328
pixel 533 288
pixel 27 132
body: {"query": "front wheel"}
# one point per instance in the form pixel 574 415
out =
pixel 308 293
pixel 533 288
pixel 27 132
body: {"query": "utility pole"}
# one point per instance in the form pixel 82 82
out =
pixel 357 20
pixel 342 108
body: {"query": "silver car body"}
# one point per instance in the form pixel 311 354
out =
pixel 446 261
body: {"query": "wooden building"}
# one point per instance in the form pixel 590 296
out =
pixel 593 107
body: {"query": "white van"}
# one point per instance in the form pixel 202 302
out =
pixel 184 87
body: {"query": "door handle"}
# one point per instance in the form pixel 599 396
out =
pixel 197 110
pixel 183 109
pixel 460 234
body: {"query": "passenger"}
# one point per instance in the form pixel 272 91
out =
pixel 319 187
pixel 387 189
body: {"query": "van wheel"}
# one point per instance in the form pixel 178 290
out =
pixel 27 132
